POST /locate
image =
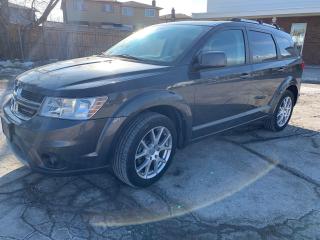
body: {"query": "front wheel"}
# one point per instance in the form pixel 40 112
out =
pixel 145 150
pixel 282 115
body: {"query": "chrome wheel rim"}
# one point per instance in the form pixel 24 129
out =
pixel 284 111
pixel 153 152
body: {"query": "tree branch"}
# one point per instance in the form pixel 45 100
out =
pixel 51 5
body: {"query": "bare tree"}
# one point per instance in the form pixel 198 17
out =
pixel 4 22
pixel 42 8
pixel 45 7
pixel 3 11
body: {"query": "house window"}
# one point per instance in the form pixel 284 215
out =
pixel 79 5
pixel 150 12
pixel 108 8
pixel 127 11
pixel 298 33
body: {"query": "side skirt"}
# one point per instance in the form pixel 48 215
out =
pixel 196 139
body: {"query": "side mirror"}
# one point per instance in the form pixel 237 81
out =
pixel 212 60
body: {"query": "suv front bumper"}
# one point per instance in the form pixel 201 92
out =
pixel 58 146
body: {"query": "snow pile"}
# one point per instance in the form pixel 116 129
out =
pixel 16 64
pixel 12 68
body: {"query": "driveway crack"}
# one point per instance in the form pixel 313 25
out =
pixel 277 164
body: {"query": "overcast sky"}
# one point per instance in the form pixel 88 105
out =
pixel 181 6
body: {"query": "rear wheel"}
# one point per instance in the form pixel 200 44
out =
pixel 282 115
pixel 145 150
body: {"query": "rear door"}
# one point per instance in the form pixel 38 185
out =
pixel 289 60
pixel 268 71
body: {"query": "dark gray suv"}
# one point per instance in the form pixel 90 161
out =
pixel 158 90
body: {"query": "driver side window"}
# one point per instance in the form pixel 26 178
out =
pixel 231 42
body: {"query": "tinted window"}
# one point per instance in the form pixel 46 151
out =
pixel 287 48
pixel 231 42
pixel 159 43
pixel 262 46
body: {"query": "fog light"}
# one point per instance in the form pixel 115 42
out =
pixel 51 161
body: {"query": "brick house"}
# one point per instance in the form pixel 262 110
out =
pixel 299 18
pixel 110 13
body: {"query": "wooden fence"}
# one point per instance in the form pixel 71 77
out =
pixel 42 43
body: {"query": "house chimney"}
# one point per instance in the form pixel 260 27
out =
pixel 154 4
pixel 173 14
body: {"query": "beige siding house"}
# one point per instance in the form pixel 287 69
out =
pixel 108 13
pixel 178 17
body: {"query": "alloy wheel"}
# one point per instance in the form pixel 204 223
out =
pixel 153 152
pixel 284 111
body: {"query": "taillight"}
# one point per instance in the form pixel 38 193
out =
pixel 302 65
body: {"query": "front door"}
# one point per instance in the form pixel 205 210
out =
pixel 225 97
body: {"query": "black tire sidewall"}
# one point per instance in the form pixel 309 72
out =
pixel 133 177
pixel 275 123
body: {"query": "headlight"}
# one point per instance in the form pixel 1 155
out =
pixel 71 108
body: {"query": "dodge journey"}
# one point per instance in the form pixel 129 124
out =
pixel 161 88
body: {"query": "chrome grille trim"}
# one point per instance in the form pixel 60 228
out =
pixel 31 96
pixel 29 106
pixel 26 102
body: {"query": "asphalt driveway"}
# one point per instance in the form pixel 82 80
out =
pixel 246 184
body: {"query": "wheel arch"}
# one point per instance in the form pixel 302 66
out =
pixel 295 91
pixel 166 103
pixel 290 84
pixel 177 118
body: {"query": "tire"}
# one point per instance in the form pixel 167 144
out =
pixel 126 163
pixel 272 123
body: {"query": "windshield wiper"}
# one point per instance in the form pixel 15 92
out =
pixel 127 56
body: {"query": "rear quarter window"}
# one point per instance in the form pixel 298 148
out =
pixel 262 47
pixel 287 47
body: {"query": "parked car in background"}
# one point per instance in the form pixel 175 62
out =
pixel 158 90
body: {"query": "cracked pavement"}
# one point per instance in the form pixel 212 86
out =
pixel 245 184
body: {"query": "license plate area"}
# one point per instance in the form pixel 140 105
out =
pixel 7 128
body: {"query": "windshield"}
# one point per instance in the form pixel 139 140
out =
pixel 162 43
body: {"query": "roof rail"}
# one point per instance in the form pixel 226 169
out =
pixel 255 22
pixel 276 26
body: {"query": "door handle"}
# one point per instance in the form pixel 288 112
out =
pixel 260 97
pixel 282 69
pixel 245 75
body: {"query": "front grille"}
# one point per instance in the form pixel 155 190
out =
pixel 26 111
pixel 31 96
pixel 25 104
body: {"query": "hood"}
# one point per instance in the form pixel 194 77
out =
pixel 85 73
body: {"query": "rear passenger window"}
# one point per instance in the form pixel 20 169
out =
pixel 262 47
pixel 287 47
pixel 231 42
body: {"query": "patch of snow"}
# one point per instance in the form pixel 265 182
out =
pixel 5 64
pixel 16 64
pixel 9 71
